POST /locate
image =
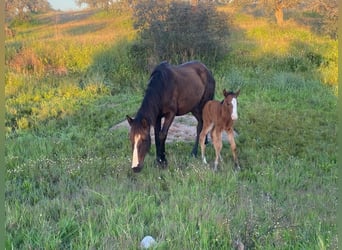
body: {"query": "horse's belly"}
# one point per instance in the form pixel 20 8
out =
pixel 189 99
pixel 187 106
pixel 181 112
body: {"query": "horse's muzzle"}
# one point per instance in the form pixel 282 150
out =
pixel 137 169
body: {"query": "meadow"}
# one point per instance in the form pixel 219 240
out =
pixel 70 78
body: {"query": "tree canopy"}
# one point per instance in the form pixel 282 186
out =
pixel 178 31
pixel 328 9
pixel 21 9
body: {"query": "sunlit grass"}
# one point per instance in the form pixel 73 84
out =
pixel 70 45
pixel 265 45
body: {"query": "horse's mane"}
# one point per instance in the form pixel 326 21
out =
pixel 153 94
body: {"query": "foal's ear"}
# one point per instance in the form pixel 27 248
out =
pixel 129 119
pixel 225 93
pixel 237 92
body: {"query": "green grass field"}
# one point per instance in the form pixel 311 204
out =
pixel 69 184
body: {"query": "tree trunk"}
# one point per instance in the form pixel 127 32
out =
pixel 279 14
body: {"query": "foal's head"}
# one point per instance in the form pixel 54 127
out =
pixel 140 140
pixel 230 99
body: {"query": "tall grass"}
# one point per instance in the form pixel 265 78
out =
pixel 68 180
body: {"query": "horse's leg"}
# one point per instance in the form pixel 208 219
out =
pixel 217 141
pixel 162 137
pixel 198 116
pixel 205 130
pixel 231 140
pixel 157 129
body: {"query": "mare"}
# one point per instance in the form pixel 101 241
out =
pixel 218 117
pixel 171 91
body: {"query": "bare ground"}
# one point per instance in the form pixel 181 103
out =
pixel 183 128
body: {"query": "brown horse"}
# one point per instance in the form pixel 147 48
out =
pixel 219 117
pixel 172 91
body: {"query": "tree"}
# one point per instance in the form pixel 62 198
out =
pixel 103 4
pixel 275 7
pixel 328 9
pixel 178 31
pixel 94 3
pixel 21 9
pixel 278 6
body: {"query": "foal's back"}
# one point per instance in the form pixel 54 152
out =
pixel 216 113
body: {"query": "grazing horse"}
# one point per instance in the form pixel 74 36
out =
pixel 171 91
pixel 218 117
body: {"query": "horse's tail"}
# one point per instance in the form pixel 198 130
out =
pixel 211 86
pixel 209 91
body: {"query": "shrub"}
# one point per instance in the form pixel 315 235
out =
pixel 177 32
pixel 27 62
pixel 113 68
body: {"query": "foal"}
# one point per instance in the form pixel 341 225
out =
pixel 218 117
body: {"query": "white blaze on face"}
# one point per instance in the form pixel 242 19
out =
pixel 135 160
pixel 234 114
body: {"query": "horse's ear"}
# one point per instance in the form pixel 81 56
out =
pixel 237 92
pixel 144 123
pixel 225 93
pixel 129 119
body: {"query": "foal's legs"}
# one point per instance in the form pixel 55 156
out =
pixel 231 140
pixel 205 130
pixel 216 135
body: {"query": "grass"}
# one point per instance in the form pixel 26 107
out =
pixel 69 184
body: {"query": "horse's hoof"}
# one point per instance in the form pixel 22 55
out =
pixel 194 153
pixel 162 163
pixel 237 167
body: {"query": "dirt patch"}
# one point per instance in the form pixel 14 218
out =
pixel 183 128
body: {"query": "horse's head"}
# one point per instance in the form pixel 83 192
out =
pixel 140 140
pixel 230 99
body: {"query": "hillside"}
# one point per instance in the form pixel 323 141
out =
pixel 65 40
pixel 70 78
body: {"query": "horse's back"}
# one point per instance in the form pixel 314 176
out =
pixel 193 72
pixel 195 84
pixel 197 73
pixel 196 67
pixel 193 64
pixel 184 88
